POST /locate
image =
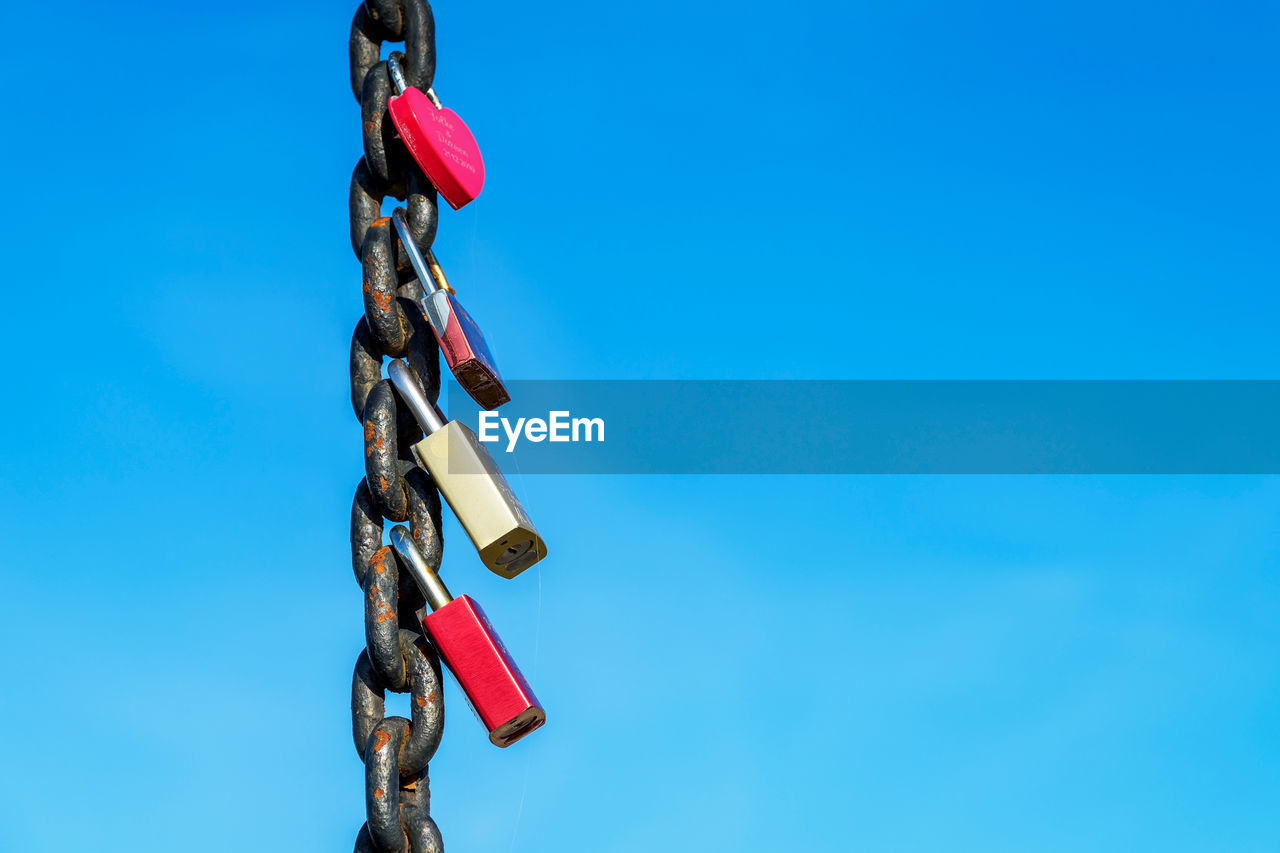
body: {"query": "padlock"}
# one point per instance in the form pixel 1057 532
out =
pixel 439 141
pixel 463 346
pixel 474 653
pixel 470 481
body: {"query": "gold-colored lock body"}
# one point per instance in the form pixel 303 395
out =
pixel 470 481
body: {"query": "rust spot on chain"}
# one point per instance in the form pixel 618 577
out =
pixel 380 740
pixel 378 793
pixel 421 701
pixel 383 301
pixel 380 221
pixel 379 561
pixel 385 613
pixel 369 127
pixel 382 481
pixel 371 439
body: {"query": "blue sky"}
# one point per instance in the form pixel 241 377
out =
pixel 916 189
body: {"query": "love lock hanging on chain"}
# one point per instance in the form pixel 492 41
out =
pixel 493 684
pixel 463 346
pixel 471 482
pixel 440 141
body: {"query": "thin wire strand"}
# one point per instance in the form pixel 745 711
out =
pixel 518 475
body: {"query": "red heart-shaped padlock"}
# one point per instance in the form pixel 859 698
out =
pixel 442 145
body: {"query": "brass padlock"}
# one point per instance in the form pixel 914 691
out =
pixel 470 481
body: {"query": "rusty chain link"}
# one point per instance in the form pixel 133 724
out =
pixel 395 751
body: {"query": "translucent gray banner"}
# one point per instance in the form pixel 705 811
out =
pixel 881 427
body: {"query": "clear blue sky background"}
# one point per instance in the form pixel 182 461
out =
pixel 928 189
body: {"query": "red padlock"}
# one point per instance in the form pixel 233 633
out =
pixel 439 141
pixel 461 343
pixel 471 649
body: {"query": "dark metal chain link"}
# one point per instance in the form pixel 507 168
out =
pixel 397 657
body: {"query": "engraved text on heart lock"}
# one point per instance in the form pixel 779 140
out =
pixel 438 139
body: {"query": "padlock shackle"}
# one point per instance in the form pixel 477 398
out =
pixel 397 73
pixel 401 83
pixel 427 268
pixel 430 418
pixel 433 589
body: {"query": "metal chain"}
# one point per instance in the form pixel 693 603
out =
pixel 395 751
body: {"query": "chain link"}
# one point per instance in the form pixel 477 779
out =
pixel 395 751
